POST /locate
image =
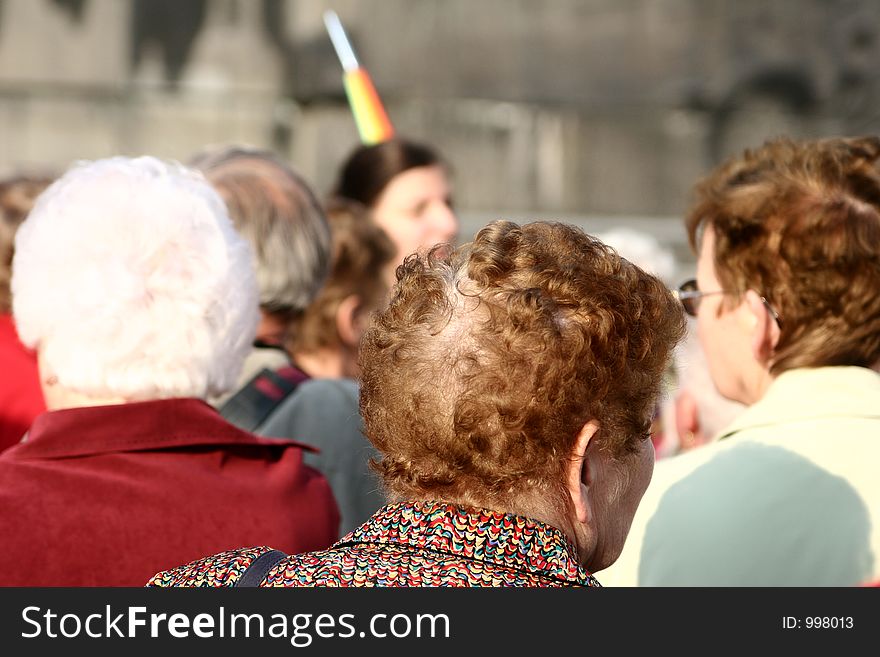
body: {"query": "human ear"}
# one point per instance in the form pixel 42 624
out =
pixel 579 477
pixel 346 321
pixel 765 331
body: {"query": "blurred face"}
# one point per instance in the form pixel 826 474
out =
pixel 615 493
pixel 415 210
pixel 720 329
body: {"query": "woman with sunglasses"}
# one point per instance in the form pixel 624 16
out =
pixel 787 306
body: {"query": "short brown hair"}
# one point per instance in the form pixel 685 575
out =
pixel 361 251
pixel 275 209
pixel 799 222
pixel 480 373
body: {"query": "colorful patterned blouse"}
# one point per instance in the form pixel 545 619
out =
pixel 413 544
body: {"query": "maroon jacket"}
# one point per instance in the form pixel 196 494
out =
pixel 21 398
pixel 109 495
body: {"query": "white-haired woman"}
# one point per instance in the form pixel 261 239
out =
pixel 139 296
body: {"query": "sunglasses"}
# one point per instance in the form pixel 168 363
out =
pixel 690 297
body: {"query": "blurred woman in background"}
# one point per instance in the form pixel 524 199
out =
pixel 406 187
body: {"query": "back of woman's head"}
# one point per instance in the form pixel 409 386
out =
pixel 369 169
pixel 487 362
pixel 131 281
pixel 276 210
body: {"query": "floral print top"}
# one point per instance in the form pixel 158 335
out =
pixel 413 544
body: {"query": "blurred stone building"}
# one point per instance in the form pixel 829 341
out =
pixel 602 112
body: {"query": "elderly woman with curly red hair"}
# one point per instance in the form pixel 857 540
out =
pixel 509 387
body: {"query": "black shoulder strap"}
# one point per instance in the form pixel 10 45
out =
pixel 257 571
pixel 249 407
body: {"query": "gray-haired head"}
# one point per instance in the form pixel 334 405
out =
pixel 276 210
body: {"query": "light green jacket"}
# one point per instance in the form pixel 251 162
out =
pixel 789 496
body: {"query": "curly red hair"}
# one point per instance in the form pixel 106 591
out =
pixel 488 361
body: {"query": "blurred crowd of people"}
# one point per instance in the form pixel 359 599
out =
pixel 213 375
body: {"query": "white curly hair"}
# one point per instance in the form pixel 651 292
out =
pixel 131 281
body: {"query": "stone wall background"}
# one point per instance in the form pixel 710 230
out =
pixel 600 112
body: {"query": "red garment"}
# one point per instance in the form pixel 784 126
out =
pixel 109 495
pixel 21 398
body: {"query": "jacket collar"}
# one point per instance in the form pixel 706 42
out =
pixel 813 393
pixel 490 536
pixel 133 427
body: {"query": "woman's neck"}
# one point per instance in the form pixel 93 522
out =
pixel 321 363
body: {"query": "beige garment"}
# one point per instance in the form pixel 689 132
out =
pixel 789 496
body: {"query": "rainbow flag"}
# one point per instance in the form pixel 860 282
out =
pixel 369 114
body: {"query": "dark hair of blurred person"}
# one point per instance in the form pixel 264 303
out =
pixel 509 386
pixel 140 298
pixel 406 187
pixel 21 398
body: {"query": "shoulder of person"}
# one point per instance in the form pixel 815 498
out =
pixel 312 405
pixel 338 394
pixel 219 570
pixel 342 389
